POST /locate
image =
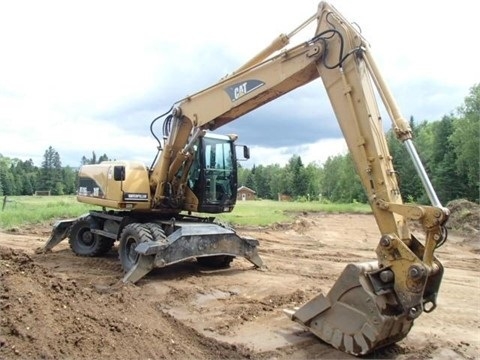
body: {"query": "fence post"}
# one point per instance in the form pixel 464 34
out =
pixel 4 202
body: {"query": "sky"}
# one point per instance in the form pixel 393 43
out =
pixel 85 76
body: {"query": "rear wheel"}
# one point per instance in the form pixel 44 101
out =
pixel 84 242
pixel 132 235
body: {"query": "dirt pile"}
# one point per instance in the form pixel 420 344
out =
pixel 465 219
pixel 44 316
pixel 464 216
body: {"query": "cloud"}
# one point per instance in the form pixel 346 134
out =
pixel 286 122
pixel 90 76
pixel 315 153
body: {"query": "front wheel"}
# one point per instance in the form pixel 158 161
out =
pixel 132 235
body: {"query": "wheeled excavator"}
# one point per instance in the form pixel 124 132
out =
pixel 155 213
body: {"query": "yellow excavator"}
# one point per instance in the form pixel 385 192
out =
pixel 155 212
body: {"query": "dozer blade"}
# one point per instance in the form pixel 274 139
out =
pixel 352 318
pixel 142 267
pixel 60 231
pixel 192 240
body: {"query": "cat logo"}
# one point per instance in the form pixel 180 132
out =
pixel 238 90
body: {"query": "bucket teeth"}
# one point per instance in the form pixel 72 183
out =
pixel 351 317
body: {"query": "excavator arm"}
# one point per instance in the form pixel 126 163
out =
pixel 349 86
pixel 374 304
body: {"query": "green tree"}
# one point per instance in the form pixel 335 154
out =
pixel 8 181
pixel 20 180
pixel 51 173
pixel 69 177
pixel 250 180
pixel 5 180
pixel 261 181
pixel 28 172
pixel 331 174
pixel 296 177
pixel 19 177
pixel 465 139
pixel 445 178
pixel 93 159
pixel 284 182
pixel 410 184
pixel 313 175
pixel 103 157
pixel 340 182
pixel 277 183
pixel 300 180
pixel 28 188
pixel 242 174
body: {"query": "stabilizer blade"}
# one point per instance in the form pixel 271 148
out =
pixel 60 231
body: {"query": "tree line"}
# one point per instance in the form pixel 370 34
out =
pixel 19 177
pixel 448 148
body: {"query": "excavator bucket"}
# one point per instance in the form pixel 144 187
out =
pixel 352 317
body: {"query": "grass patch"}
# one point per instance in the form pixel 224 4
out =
pixel 267 212
pixel 25 210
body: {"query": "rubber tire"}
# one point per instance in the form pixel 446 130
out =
pixel 84 243
pixel 132 235
pixel 156 231
pixel 216 261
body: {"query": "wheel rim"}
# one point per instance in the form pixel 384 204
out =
pixel 86 237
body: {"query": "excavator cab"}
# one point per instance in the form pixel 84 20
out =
pixel 213 174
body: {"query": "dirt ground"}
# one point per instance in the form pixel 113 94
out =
pixel 60 306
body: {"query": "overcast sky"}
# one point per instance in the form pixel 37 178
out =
pixel 91 75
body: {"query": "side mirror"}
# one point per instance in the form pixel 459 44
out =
pixel 242 152
pixel 246 152
pixel 119 173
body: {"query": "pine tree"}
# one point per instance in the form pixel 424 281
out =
pixel 93 159
pixel 104 157
pixel 250 179
pixel 51 173
pixel 296 176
